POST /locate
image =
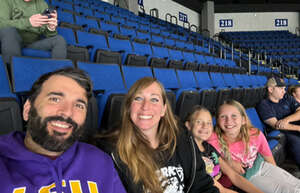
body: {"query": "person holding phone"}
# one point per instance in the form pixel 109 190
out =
pixel 23 24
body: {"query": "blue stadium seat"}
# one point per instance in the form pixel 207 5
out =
pixel 160 57
pixel 68 35
pixel 190 61
pixel 109 91
pixel 102 15
pixel 66 17
pixel 187 96
pixel 143 49
pixel 208 94
pixel 237 92
pixel 143 35
pixel 86 23
pixel 26 70
pixel 169 80
pixel 123 46
pixel 276 147
pixel 157 39
pixel 10 111
pixel 128 31
pixel 36 53
pixel 176 59
pixel 109 27
pixel 93 43
pixel 224 92
pixel 133 73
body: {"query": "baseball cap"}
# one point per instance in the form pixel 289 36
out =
pixel 275 81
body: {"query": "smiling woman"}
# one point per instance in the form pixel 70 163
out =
pixel 152 153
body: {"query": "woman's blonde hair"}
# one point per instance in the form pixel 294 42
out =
pixel 135 150
pixel 244 131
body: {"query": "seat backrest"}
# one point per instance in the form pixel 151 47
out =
pixel 200 59
pixel 68 34
pixel 229 80
pixel 160 52
pixel 89 39
pixel 186 79
pixel 65 17
pixel 254 118
pixel 217 80
pixel 239 80
pixel 128 31
pixel 105 77
pixel 25 71
pixel 142 49
pixel 109 89
pixel 175 54
pixel 5 90
pixel 157 39
pixel 133 73
pixel 109 27
pixel 203 80
pixel 87 23
pixel 144 36
pixel 120 45
pixel 189 56
pixel 167 77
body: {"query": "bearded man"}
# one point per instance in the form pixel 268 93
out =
pixel 48 157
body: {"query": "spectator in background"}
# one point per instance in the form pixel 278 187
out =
pixel 294 91
pixel 22 24
pixel 152 153
pixel 199 122
pixel 281 111
pixel 49 158
pixel 247 151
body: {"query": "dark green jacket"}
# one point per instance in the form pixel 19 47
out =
pixel 16 13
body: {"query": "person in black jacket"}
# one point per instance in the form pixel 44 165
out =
pixel 151 152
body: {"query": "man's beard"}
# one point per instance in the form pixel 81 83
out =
pixel 55 142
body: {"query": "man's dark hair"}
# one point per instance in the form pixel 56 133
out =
pixel 76 74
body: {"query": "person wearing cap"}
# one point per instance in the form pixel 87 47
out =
pixel 280 111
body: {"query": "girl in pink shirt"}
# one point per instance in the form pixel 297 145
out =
pixel 199 122
pixel 246 150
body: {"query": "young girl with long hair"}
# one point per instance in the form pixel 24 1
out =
pixel 247 150
pixel 199 122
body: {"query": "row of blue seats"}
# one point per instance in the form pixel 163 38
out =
pixel 125 47
pixel 66 13
pixel 109 78
pixel 113 81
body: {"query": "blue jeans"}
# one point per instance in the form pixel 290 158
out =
pixel 273 179
pixel 11 44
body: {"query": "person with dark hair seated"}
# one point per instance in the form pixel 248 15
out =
pixel 48 157
pixel 30 24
